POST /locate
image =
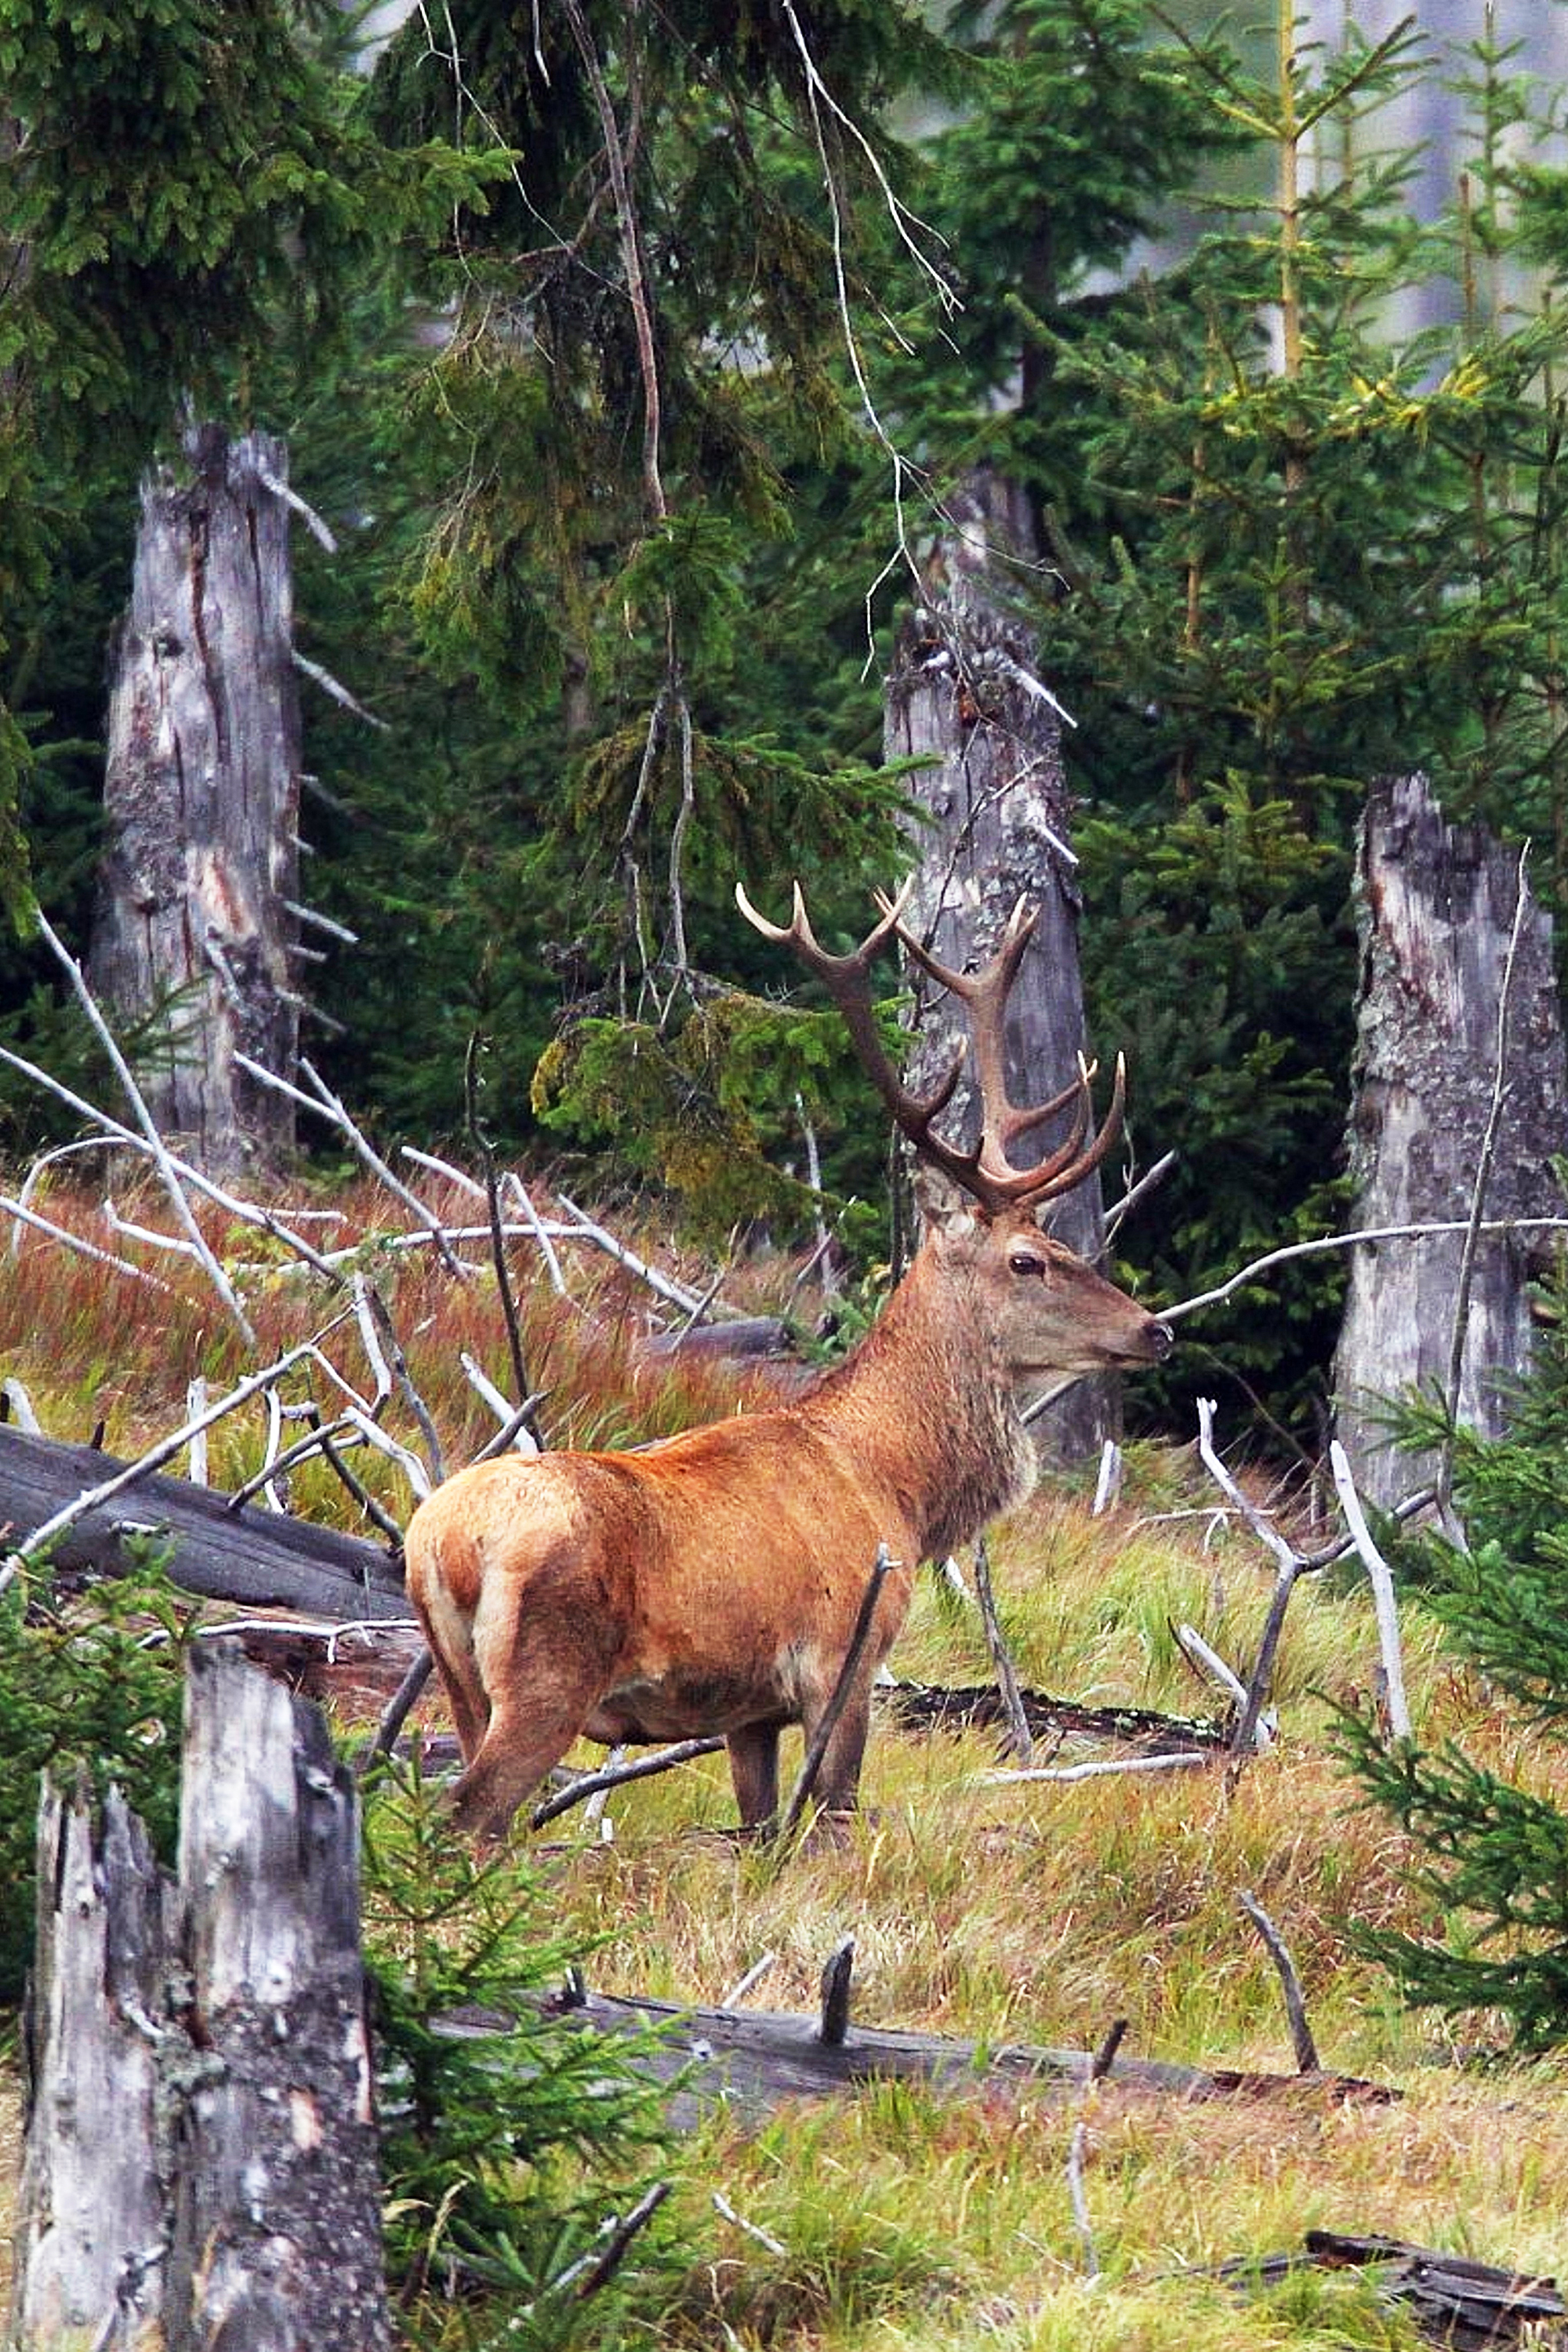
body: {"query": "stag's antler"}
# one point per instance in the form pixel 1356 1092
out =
pixel 985 1172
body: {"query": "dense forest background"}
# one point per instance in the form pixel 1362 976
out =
pixel 630 354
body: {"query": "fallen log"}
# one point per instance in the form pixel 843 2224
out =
pixel 255 1558
pixel 1469 2306
pixel 934 1707
pixel 753 2060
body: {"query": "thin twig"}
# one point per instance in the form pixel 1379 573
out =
pixel 596 2269
pixel 1001 1657
pixel 300 1451
pixel 498 1241
pixel 374 1510
pixel 395 1715
pixel 517 1430
pixel 404 1380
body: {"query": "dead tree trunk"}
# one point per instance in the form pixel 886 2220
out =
pixel 200 2149
pixel 964 693
pixel 193 936
pixel 1435 906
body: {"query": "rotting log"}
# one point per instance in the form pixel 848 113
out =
pixel 252 1558
pixel 754 2059
pixel 934 1707
pixel 201 2161
pixel 1464 2306
pixel 1436 908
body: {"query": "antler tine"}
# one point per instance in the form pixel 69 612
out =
pixel 1069 1165
pixel 984 1173
pixel 846 979
pixel 986 993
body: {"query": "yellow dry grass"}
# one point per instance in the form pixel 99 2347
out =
pixel 1020 1913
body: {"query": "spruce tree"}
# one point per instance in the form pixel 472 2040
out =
pixel 1494 1854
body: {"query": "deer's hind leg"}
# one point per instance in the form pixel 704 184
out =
pixel 544 1668
pixel 515 1754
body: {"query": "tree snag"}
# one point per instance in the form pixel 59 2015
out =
pixel 193 936
pixel 201 2163
pixel 965 695
pixel 1435 913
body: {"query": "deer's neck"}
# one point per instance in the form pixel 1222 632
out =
pixel 928 1403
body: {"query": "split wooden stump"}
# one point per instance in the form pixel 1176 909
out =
pixel 201 2155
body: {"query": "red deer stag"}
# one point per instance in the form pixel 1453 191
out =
pixel 710 1583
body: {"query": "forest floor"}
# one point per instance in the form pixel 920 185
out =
pixel 1016 1913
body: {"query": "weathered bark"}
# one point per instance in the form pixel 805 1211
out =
pixel 192 940
pixel 256 1558
pixel 201 2153
pixel 965 694
pixel 89 2226
pixel 1435 909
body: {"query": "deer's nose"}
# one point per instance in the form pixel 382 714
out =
pixel 1161 1339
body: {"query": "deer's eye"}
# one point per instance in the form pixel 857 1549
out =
pixel 1025 1261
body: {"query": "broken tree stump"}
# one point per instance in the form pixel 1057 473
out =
pixel 201 2156
pixel 1435 913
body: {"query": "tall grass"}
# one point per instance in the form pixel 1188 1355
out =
pixel 1021 1912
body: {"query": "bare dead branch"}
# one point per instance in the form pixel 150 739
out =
pixel 1301 2042
pixel 1382 1598
pixel 835 1705
pixel 397 1713
pixel 162 1157
pixel 21 1215
pixel 1177 1760
pixel 586 1229
pixel 165 1451
pixel 614 1776
pixel 1323 1242
pixel 331 1107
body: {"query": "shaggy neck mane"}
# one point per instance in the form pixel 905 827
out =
pixel 928 1403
